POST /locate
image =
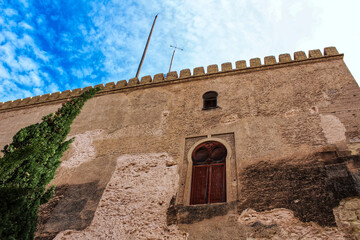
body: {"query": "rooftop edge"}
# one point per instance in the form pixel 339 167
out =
pixel 160 77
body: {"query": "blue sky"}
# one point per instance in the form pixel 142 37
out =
pixel 50 45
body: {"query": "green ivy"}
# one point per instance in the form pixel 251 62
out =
pixel 29 164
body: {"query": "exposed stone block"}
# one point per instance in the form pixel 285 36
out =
pixel 99 85
pixel 121 84
pixel 355 226
pixel 352 204
pixel 185 73
pixel 171 75
pixel 66 93
pixel 159 77
pixel 255 62
pixel 86 88
pixel 54 96
pixel 26 100
pixel 44 97
pixel 226 66
pixel 269 60
pixel 76 90
pixel 240 64
pixel 22 103
pixel 315 53
pixel 35 99
pixel 2 105
pixel 146 79
pixel 16 102
pixel 109 86
pixel 300 55
pixel 285 57
pixel 133 81
pixel 330 51
pixel 7 104
pixel 199 71
pixel 345 215
pixel 212 68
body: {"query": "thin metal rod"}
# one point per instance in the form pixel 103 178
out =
pixel 146 46
pixel 172 60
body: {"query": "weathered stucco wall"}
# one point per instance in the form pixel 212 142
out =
pixel 281 119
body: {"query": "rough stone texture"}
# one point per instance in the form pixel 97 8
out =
pixel 199 71
pixel 109 85
pixel 133 81
pixel 280 118
pixel 301 183
pixel 146 79
pixel 255 62
pixel 286 225
pixel 159 77
pixel 121 84
pixel 333 129
pixel 171 75
pixel 269 60
pixel 240 64
pixel 212 68
pixel 284 57
pixel 299 55
pixel 82 149
pixel 278 223
pixel 330 51
pixel 135 201
pixel 315 53
pixel 185 73
pixel 226 66
pixel 192 214
pixel 72 207
pixel 347 216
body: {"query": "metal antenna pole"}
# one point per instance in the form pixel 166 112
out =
pixel 172 58
pixel 146 46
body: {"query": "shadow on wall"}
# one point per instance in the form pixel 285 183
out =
pixel 71 207
pixel 311 188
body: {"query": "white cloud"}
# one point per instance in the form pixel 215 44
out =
pixel 25 3
pixel 4 72
pixel 53 87
pixel 25 26
pixel 19 70
pixel 10 36
pixel 81 72
pixel 7 56
pixel 36 79
pixel 210 31
pixel 38 91
pixel 27 64
pixel 10 12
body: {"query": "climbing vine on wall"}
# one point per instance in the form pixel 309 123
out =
pixel 28 165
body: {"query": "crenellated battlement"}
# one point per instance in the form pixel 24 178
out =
pixel 172 77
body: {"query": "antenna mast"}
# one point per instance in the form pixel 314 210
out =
pixel 146 46
pixel 172 58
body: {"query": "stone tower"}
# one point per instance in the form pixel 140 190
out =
pixel 269 150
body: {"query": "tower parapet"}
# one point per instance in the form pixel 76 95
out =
pixel 172 77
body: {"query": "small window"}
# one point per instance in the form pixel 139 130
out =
pixel 210 100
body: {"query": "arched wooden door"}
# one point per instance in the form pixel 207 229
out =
pixel 208 183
